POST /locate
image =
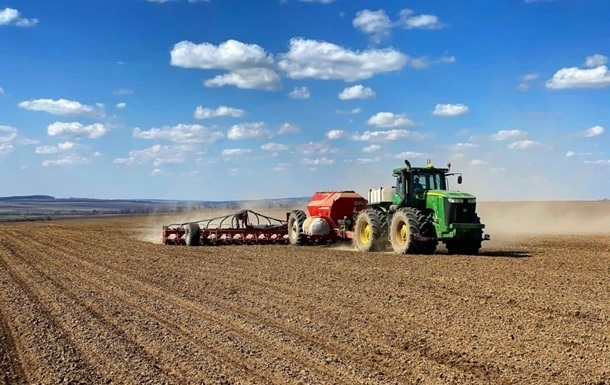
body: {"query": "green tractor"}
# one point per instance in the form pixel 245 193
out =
pixel 419 212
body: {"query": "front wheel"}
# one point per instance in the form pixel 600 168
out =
pixel 368 231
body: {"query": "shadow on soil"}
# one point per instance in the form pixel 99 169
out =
pixel 506 254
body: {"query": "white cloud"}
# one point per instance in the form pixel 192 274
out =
pixel 282 167
pixel 447 110
pixel 461 147
pixel 7 133
pixel 374 23
pixel 389 119
pixel 424 62
pixel 10 16
pixel 234 154
pixel 157 155
pixel 580 78
pixel 55 149
pixel 272 146
pixel 288 128
pixel 522 145
pixel 327 61
pixel 593 131
pixel 324 161
pixel 156 172
pixel 254 78
pixel 357 92
pixel 248 131
pixel 97 154
pixel 409 20
pixel 409 154
pixel 525 80
pixel 353 111
pixel 602 162
pixel 1 90
pixel 320 148
pixel 299 93
pixel 508 134
pixel 388 136
pixel 208 113
pixel 77 130
pixel 61 107
pixel 181 133
pixel 6 148
pixel 364 160
pixel 570 154
pixel 248 65
pixel 478 162
pixel 371 148
pixel 335 134
pixel 121 105
pixel 70 160
pixel 596 61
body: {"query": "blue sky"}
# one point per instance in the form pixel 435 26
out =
pixel 236 99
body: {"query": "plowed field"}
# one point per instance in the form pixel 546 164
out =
pixel 92 301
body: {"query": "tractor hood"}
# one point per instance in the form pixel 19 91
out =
pixel 451 194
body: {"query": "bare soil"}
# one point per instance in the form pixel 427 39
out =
pixel 95 301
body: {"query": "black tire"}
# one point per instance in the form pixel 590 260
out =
pixel 368 233
pixel 412 232
pixel 192 234
pixel 428 231
pixel 295 228
pixel 469 245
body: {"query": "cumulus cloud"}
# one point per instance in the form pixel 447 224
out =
pixel 447 110
pixel 317 148
pixel 181 133
pixel 299 93
pixel 335 134
pixel 409 20
pixel 10 16
pixel 208 113
pixel 76 130
pixel 256 130
pixel 248 65
pixel 357 92
pixel 274 147
pixel 593 131
pixel 324 161
pixel 288 128
pixel 522 145
pixel 389 119
pixel 55 149
pixel 508 134
pixel 7 134
pixel 69 160
pixel 158 155
pixel 596 61
pixel 374 23
pixel 121 105
pixel 327 61
pixel 62 107
pixel 388 136
pixel 234 154
pixel 409 155
pixel 371 148
pixel 573 77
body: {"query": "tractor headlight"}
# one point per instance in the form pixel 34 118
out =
pixel 454 200
pixel 473 200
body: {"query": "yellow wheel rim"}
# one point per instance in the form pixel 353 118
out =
pixel 365 233
pixel 402 234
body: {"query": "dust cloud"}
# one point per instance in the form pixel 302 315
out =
pixel 545 218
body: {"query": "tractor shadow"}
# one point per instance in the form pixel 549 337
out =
pixel 505 254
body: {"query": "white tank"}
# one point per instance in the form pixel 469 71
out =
pixel 381 195
pixel 316 226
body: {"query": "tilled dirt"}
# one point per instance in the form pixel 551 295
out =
pixel 90 302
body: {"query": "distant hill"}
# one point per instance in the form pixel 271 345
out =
pixel 27 198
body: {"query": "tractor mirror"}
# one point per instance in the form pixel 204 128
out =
pixel 460 179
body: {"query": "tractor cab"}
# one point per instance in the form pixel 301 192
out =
pixel 413 184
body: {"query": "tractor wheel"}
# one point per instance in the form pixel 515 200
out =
pixel 368 231
pixel 192 234
pixel 469 245
pixel 295 228
pixel 427 230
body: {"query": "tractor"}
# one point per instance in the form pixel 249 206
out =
pixel 411 217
